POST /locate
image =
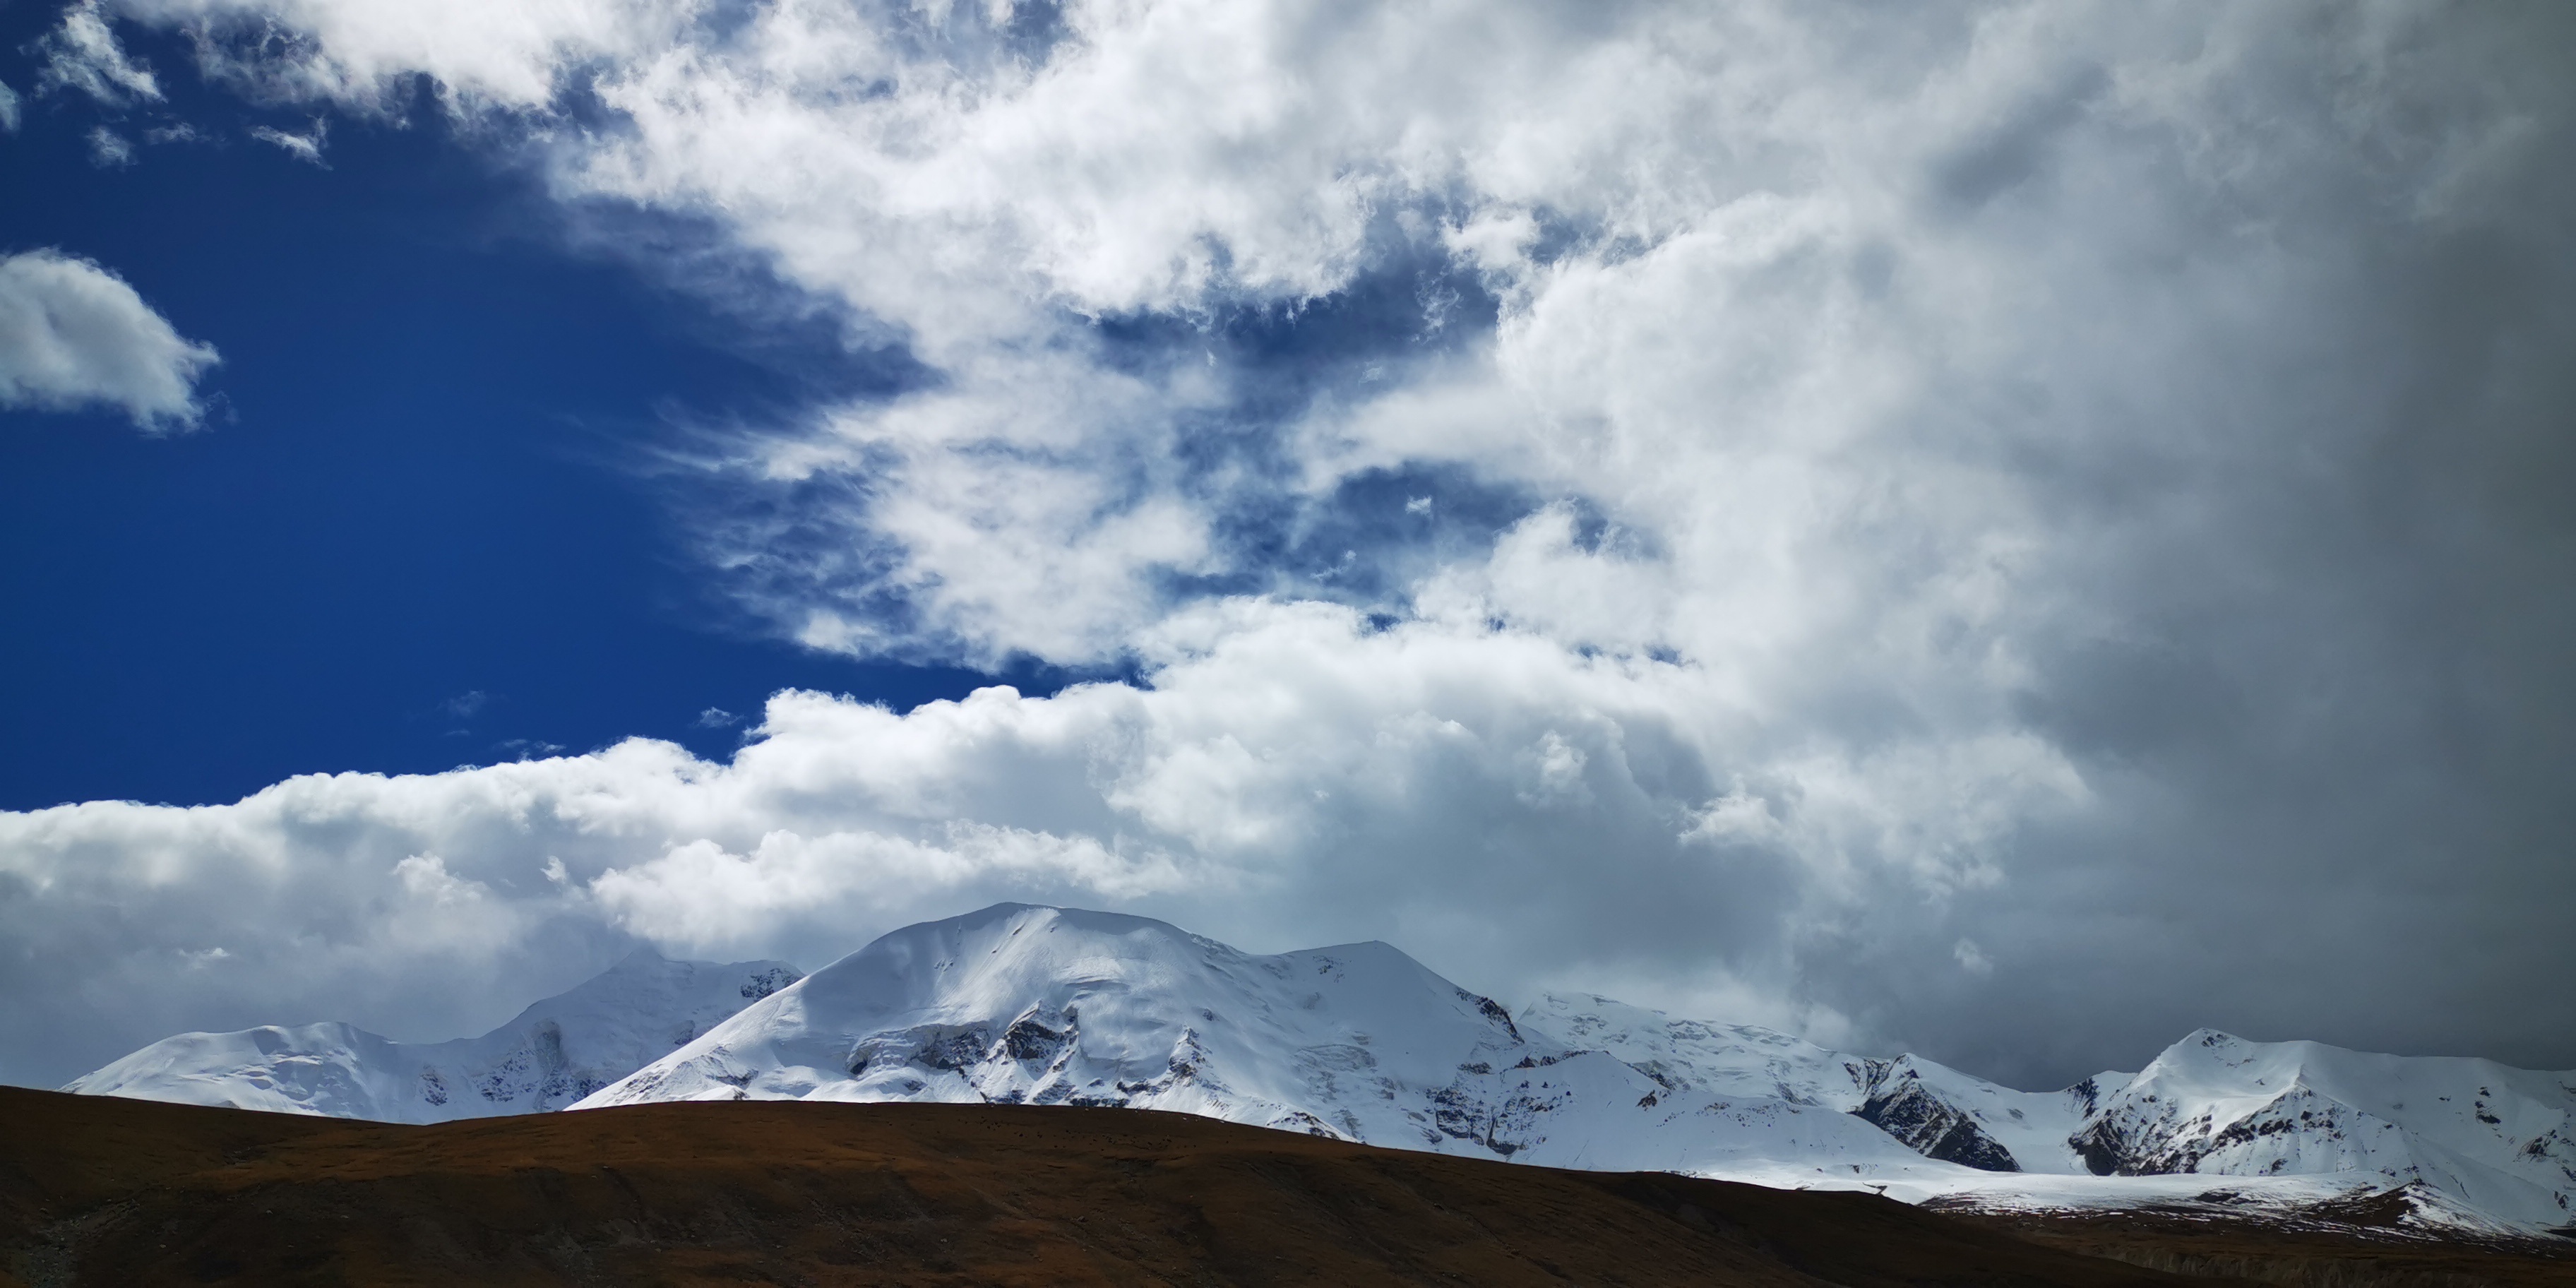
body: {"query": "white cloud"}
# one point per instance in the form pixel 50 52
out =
pixel 8 110
pixel 699 894
pixel 1032 509
pixel 83 54
pixel 109 149
pixel 303 147
pixel 485 53
pixel 1888 436
pixel 1288 773
pixel 466 705
pixel 74 334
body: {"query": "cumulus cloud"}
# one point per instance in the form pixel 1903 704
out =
pixel 1288 767
pixel 8 110
pixel 1982 527
pixel 74 334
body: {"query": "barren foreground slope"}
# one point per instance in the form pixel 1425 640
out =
pixel 107 1191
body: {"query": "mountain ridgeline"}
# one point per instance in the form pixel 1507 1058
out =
pixel 550 1055
pixel 1047 1006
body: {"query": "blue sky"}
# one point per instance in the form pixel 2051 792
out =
pixel 2012 531
pixel 420 484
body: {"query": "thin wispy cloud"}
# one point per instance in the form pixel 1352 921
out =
pixel 303 147
pixel 109 149
pixel 466 705
pixel 83 54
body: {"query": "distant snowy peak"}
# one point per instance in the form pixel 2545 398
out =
pixel 2499 1139
pixel 551 1054
pixel 2461 1134
pixel 1933 1110
pixel 1019 1004
pixel 1057 1006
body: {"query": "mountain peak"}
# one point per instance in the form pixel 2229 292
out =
pixel 1056 1005
pixel 552 1053
pixel 639 957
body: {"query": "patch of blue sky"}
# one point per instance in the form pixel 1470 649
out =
pixel 416 481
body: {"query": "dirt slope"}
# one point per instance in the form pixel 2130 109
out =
pixel 118 1192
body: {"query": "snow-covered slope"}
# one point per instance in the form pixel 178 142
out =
pixel 2498 1140
pixel 554 1053
pixel 2467 1138
pixel 1360 1042
pixel 1020 1004
pixel 1934 1110
pixel 1695 1058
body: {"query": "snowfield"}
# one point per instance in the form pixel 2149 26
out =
pixel 1032 1005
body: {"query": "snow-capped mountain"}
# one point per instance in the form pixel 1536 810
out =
pixel 2499 1140
pixel 554 1053
pixel 1020 1004
pixel 1935 1111
pixel 2292 1123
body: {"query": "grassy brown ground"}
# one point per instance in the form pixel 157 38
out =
pixel 120 1192
pixel 2359 1245
pixel 98 1191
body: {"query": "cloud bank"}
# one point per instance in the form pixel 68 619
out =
pixel 2015 529
pixel 73 334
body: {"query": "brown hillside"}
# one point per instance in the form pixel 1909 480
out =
pixel 2353 1248
pixel 97 1191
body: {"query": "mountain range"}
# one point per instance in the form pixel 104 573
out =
pixel 1018 1004
pixel 552 1054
